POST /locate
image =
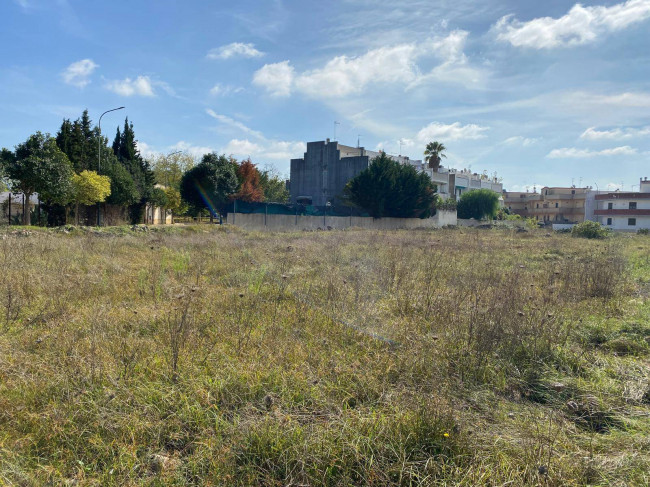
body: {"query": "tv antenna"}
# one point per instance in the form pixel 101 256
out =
pixel 335 124
pixel 358 141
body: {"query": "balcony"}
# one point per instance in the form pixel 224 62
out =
pixel 624 212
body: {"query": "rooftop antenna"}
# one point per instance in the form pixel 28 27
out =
pixel 358 141
pixel 335 124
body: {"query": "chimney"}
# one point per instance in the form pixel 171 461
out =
pixel 327 141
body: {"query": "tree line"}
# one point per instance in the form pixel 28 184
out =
pixel 66 172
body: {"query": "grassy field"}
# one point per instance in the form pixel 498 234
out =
pixel 211 356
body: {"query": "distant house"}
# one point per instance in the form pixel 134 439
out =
pixel 624 211
pixel 452 183
pixel 551 204
pixel 16 204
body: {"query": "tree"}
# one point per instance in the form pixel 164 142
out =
pixel 274 187
pixel 4 181
pixel 123 189
pixel 39 166
pixel 209 184
pixel 174 202
pixel 250 188
pixel 390 189
pixel 478 204
pixel 125 148
pixel 169 169
pixel 89 188
pixel 433 154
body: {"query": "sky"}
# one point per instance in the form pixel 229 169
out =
pixel 547 93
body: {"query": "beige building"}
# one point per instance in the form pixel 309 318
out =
pixel 550 205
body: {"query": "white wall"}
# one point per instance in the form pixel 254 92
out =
pixel 290 223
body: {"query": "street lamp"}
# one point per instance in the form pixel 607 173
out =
pixel 99 150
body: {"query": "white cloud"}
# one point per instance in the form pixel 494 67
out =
pixel 145 149
pixel 573 153
pixel 225 90
pixel 268 149
pixel 454 131
pixel 581 25
pixel 194 150
pixel 236 49
pixel 275 78
pixel 344 75
pixel 234 123
pixel 78 73
pixel 519 140
pixel 615 134
pixel 141 86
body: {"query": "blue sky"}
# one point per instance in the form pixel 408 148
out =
pixel 542 93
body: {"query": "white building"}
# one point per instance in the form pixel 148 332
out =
pixel 452 182
pixel 624 211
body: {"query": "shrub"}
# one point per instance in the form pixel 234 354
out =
pixel 589 229
pixel 478 203
pixel 643 231
pixel 447 205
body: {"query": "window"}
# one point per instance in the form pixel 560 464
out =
pixel 609 221
pixel 573 191
pixel 610 206
pixel 632 205
pixel 631 222
pixel 537 205
pixel 557 205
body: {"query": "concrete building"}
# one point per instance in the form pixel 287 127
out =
pixel 629 211
pixel 551 205
pixel 453 183
pixel 320 176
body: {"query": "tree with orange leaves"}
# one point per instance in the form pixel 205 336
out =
pixel 250 188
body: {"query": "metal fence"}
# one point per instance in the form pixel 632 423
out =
pixel 293 209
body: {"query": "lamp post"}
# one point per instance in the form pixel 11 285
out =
pixel 99 151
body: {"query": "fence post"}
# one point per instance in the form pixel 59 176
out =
pixel 266 212
pixel 350 217
pixel 10 196
pixel 296 214
pixel 234 211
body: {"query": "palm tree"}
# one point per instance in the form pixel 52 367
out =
pixel 433 154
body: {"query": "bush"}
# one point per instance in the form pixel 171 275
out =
pixel 478 204
pixel 589 229
pixel 446 205
pixel 643 231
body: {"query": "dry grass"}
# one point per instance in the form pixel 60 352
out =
pixel 200 356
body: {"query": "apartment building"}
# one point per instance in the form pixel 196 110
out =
pixel 551 204
pixel 453 183
pixel 321 174
pixel 624 211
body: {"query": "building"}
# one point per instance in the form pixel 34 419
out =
pixel 551 205
pixel 453 183
pixel 624 211
pixel 12 207
pixel 320 176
